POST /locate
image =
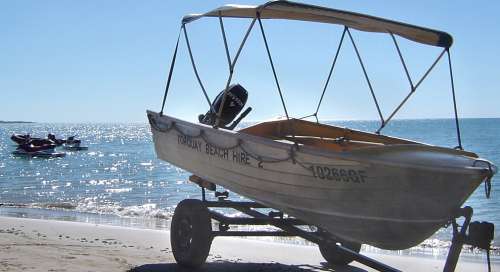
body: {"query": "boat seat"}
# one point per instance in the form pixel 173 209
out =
pixel 339 144
pixel 278 129
pixel 318 135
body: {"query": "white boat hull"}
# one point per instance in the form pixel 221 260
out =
pixel 391 197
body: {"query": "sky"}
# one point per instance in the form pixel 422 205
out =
pixel 107 61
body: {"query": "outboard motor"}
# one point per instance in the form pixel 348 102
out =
pixel 235 101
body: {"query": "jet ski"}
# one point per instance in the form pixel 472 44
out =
pixel 38 142
pixel 20 138
pixel 72 141
pixel 40 154
pixel 74 147
pixel 73 144
pixel 44 151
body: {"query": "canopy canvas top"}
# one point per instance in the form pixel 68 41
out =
pixel 287 10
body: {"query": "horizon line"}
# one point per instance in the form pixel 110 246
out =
pixel 246 121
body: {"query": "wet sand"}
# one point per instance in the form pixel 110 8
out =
pixel 47 245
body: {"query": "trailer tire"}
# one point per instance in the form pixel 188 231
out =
pixel 191 233
pixel 334 256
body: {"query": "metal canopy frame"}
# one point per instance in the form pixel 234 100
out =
pixel 257 17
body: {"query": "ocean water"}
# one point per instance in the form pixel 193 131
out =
pixel 119 180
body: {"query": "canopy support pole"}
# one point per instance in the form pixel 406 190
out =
pixel 196 70
pixel 413 89
pixel 232 64
pixel 366 77
pixel 430 69
pixel 454 100
pixel 272 66
pixel 172 64
pixel 402 61
pixel 330 74
pixel 307 116
pixel 225 41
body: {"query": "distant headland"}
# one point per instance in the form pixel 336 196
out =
pixel 15 122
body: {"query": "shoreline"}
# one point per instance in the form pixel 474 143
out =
pixel 435 246
pixel 76 246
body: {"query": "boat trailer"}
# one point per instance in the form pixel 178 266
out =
pixel 191 231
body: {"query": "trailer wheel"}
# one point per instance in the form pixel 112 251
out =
pixel 191 233
pixel 334 256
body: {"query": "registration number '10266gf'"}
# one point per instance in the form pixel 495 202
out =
pixel 338 174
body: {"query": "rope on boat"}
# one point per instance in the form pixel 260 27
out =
pixel 239 144
pixel 488 259
pixel 487 179
pixel 291 153
pixel 487 186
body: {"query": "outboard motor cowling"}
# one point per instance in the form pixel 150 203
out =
pixel 236 99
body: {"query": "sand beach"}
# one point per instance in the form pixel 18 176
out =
pixel 49 245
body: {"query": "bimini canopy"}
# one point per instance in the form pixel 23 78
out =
pixel 297 11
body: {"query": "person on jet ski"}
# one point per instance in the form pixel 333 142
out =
pixel 53 138
pixel 72 141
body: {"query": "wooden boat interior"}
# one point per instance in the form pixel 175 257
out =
pixel 325 136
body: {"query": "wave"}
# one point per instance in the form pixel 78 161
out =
pixel 145 211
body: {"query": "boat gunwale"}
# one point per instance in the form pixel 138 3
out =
pixel 348 156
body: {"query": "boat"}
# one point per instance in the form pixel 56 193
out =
pixel 360 187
